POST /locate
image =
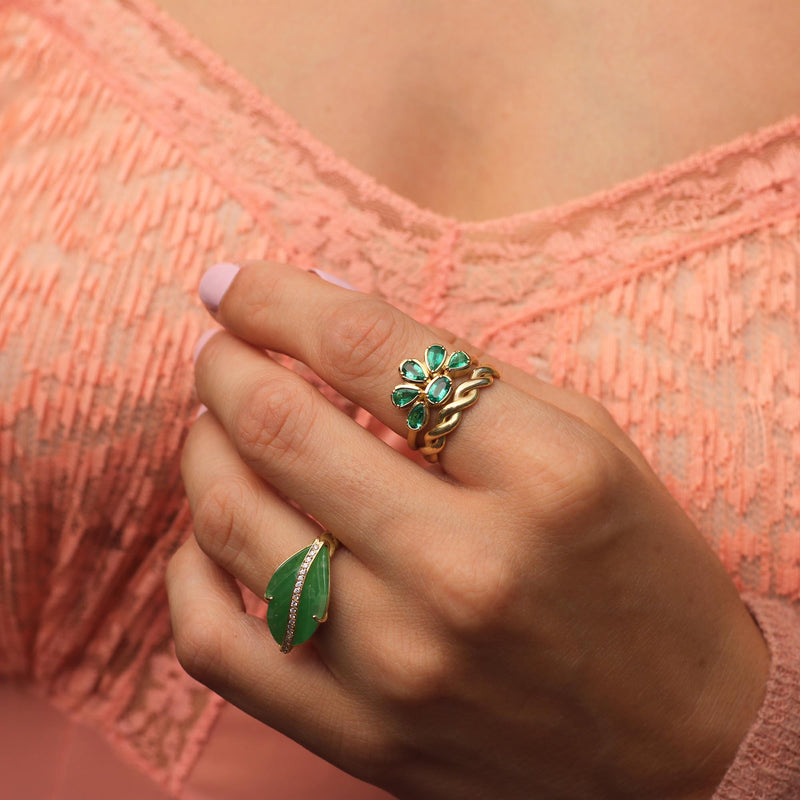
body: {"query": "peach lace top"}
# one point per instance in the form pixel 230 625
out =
pixel 132 158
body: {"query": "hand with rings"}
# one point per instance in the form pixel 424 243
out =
pixel 534 616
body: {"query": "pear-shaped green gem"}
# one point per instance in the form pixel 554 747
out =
pixel 403 395
pixel 459 360
pixel 413 371
pixel 439 390
pixel 418 416
pixel 434 357
pixel 299 591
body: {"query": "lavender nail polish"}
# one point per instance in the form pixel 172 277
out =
pixel 215 283
pixel 201 342
pixel 334 279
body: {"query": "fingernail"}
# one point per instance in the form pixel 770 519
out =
pixel 200 411
pixel 336 281
pixel 201 342
pixel 215 283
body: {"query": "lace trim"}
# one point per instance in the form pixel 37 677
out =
pixel 296 189
pixel 228 115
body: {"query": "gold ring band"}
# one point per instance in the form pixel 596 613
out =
pixel 449 417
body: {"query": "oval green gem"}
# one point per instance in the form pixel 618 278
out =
pixel 403 395
pixel 413 371
pixel 434 356
pixel 439 389
pixel 459 360
pixel 418 416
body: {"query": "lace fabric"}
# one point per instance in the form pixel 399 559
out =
pixel 132 158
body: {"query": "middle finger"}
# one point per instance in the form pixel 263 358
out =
pixel 291 436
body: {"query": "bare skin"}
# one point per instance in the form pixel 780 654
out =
pixel 478 113
pixel 479 110
pixel 546 623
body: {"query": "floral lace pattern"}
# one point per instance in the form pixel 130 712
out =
pixel 132 158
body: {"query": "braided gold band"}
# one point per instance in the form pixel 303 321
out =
pixel 449 417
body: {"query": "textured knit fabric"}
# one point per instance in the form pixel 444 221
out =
pixel 132 158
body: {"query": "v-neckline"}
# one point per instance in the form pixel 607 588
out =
pixel 245 88
pixel 315 208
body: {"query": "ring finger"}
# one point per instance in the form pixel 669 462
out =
pixel 242 524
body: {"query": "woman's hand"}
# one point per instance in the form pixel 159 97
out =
pixel 535 617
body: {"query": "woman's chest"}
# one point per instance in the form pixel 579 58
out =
pixel 494 110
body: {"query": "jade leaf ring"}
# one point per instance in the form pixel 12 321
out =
pixel 298 593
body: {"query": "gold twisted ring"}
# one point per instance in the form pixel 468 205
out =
pixel 428 388
pixel 450 415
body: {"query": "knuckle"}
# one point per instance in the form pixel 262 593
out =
pixel 583 490
pixel 218 517
pixel 594 472
pixel 577 471
pixel 273 420
pixel 477 595
pixel 413 675
pixel 356 342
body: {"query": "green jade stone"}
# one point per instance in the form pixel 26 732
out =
pixel 313 598
pixel 413 371
pixel 418 416
pixel 434 357
pixel 403 395
pixel 439 390
pixel 459 360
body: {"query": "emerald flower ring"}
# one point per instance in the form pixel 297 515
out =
pixel 429 383
pixel 430 390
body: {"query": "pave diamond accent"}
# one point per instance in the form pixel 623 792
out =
pixel 296 594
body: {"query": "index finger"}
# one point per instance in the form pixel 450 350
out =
pixel 356 343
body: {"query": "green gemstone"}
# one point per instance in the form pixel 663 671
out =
pixel 439 390
pixel 313 597
pixel 418 416
pixel 413 371
pixel 459 360
pixel 403 395
pixel 434 357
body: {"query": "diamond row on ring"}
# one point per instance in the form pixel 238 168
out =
pixel 296 592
